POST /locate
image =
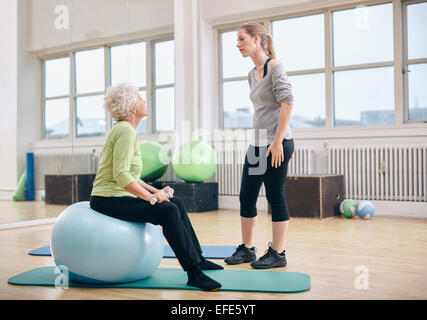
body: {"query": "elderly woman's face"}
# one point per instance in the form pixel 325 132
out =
pixel 141 110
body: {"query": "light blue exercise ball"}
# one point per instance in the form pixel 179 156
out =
pixel 365 209
pixel 96 248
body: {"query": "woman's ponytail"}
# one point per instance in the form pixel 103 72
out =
pixel 270 49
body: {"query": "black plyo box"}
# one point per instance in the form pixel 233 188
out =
pixel 68 188
pixel 314 196
pixel 197 197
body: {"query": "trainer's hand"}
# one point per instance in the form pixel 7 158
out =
pixel 277 156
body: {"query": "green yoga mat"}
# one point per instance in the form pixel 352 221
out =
pixel 20 188
pixel 167 278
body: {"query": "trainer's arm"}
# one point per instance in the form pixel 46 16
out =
pixel 284 119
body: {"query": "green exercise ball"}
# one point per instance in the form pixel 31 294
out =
pixel 194 161
pixel 155 161
pixel 348 208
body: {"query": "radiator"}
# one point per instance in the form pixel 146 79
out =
pixel 230 165
pixel 63 163
pixel 381 172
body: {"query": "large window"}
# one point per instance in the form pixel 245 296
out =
pixel 342 66
pixel 73 101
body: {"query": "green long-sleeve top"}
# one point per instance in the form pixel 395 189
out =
pixel 119 164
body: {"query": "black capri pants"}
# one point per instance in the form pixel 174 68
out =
pixel 256 170
pixel 172 216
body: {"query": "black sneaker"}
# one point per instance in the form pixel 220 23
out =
pixel 241 255
pixel 271 259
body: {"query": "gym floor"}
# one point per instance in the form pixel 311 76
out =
pixel 392 252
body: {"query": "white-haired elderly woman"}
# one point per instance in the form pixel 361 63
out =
pixel 119 192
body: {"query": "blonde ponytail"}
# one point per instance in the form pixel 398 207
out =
pixel 270 49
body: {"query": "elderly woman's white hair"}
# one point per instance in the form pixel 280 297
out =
pixel 120 99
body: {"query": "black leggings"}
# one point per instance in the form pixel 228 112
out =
pixel 172 216
pixel 256 170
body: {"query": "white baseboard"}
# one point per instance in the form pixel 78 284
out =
pixel 382 208
pixel 400 209
pixel 6 194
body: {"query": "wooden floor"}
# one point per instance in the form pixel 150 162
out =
pixel 394 250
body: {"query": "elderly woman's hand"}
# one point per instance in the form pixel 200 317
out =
pixel 162 196
pixel 166 190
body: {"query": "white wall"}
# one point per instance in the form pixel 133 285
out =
pixel 28 95
pixel 19 94
pixel 91 20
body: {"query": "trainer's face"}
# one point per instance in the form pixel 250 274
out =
pixel 245 43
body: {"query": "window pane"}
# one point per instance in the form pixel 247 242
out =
pixel 233 63
pixel 90 74
pixel 364 97
pixel 56 117
pixel 165 109
pixel 363 35
pixel 90 116
pixel 165 62
pixel 417 80
pixel 417 30
pixel 238 109
pixel 57 74
pixel 310 109
pixel 128 64
pixel 141 129
pixel 300 42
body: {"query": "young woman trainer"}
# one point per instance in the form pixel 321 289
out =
pixel 266 160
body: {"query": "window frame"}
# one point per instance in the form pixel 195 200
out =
pixel 72 96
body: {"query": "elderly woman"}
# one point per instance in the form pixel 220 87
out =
pixel 119 192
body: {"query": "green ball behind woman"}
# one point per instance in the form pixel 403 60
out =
pixel 194 161
pixel 155 161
